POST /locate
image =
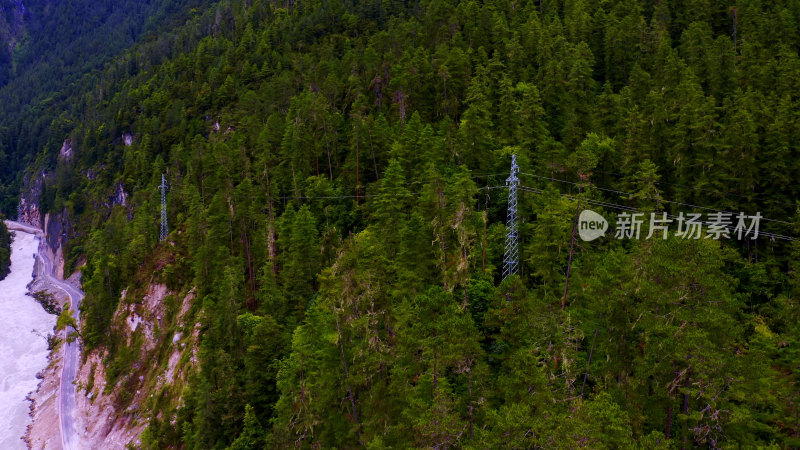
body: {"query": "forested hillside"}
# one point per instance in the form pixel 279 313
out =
pixel 11 27
pixel 49 53
pixel 336 206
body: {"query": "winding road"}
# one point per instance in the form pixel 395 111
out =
pixel 66 405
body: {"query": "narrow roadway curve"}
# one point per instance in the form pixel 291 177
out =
pixel 66 404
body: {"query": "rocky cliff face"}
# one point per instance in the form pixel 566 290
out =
pixel 66 150
pixel 30 194
pixel 57 227
pixel 114 404
pixel 114 410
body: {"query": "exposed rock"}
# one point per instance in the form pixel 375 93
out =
pixel 28 213
pixel 93 172
pixel 28 209
pixel 154 301
pixel 174 357
pixel 102 425
pixel 44 432
pixel 143 316
pixel 120 197
pixel 133 322
pixel 101 420
pixel 66 150
pixel 58 228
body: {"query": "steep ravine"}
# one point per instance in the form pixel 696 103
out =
pixel 157 327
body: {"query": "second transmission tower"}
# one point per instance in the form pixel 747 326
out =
pixel 511 256
pixel 163 188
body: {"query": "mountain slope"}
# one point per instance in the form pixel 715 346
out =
pixel 51 52
pixel 335 209
pixel 11 29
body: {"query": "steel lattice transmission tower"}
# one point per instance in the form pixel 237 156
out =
pixel 511 257
pixel 163 188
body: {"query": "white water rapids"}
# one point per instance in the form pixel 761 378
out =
pixel 23 345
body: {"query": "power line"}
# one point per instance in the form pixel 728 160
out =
pixel 631 209
pixel 600 203
pixel 670 216
pixel 650 198
pixel 330 197
pixel 695 188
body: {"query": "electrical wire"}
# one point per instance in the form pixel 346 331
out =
pixel 669 216
pixel 331 197
pixel 590 201
pixel 695 188
pixel 650 198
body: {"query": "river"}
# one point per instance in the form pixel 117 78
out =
pixel 24 326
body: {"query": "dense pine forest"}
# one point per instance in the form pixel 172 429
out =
pixel 336 204
pixel 49 50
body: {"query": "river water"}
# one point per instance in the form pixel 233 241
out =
pixel 23 345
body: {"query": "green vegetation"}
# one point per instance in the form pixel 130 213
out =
pixel 50 51
pixel 66 320
pixel 330 166
pixel 5 249
pixel 48 302
pixel 11 24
